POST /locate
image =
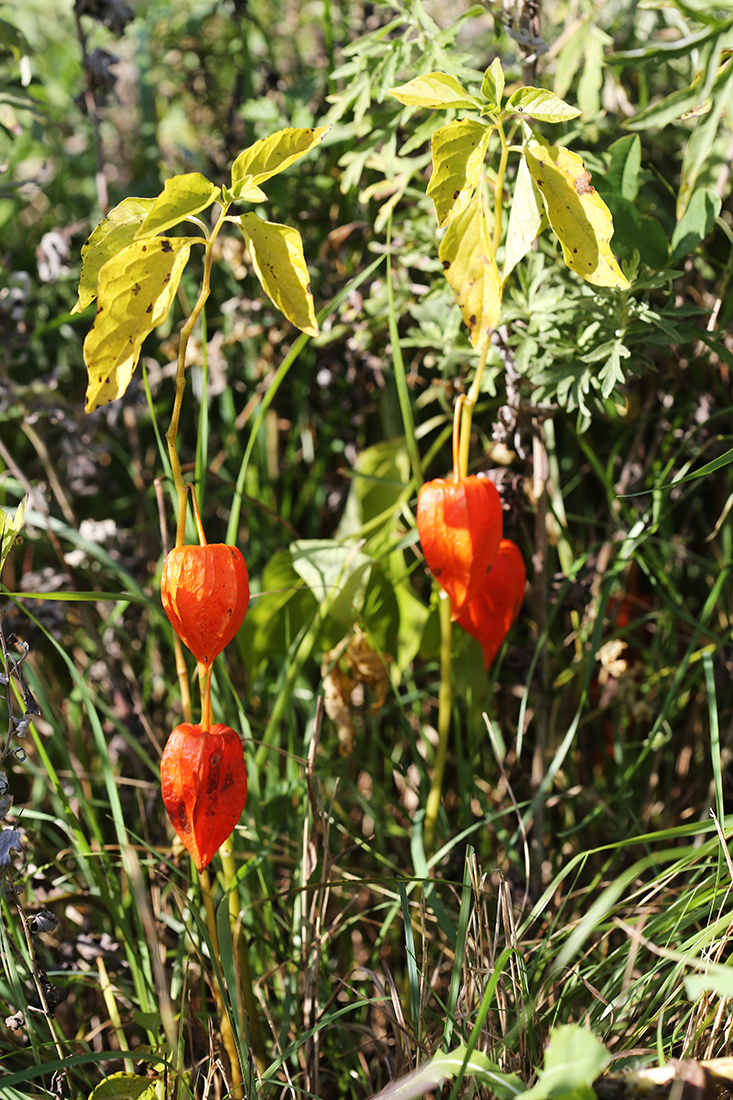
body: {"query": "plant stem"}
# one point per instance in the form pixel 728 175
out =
pixel 240 949
pixel 468 405
pixel 186 331
pixel 445 706
pixel 227 1035
pixel 205 682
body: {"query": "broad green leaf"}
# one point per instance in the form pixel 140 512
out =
pixel 695 223
pixel 623 172
pixel 10 527
pixel 437 90
pixel 573 1060
pixel 278 260
pixel 181 196
pixel 576 212
pixel 335 573
pixel 124 1086
pixel 492 87
pixel 271 155
pixel 136 288
pixel 527 219
pixel 458 157
pixel 541 104
pixel 470 268
pixel 112 234
pixel 277 613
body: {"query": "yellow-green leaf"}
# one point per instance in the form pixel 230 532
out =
pixel 136 288
pixel 272 155
pixel 577 213
pixel 470 268
pixel 279 263
pixel 492 88
pixel 527 219
pixel 438 90
pixel 112 234
pixel 10 527
pixel 125 1086
pixel 540 104
pixel 181 196
pixel 458 156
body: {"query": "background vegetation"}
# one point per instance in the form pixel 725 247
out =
pixel 577 871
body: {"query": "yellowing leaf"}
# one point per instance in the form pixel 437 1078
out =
pixel 112 234
pixel 576 212
pixel 458 156
pixel 470 268
pixel 136 288
pixel 181 196
pixel 10 528
pixel 526 220
pixel 434 90
pixel 278 260
pixel 540 104
pixel 272 155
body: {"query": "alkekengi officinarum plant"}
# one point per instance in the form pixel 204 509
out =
pixel 488 617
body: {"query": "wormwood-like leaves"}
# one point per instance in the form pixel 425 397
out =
pixel 576 212
pixel 136 288
pixel 470 268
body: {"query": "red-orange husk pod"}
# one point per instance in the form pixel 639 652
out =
pixel 460 526
pixel 205 593
pixel 490 614
pixel 203 779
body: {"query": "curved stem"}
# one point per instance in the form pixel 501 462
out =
pixel 445 706
pixel 205 682
pixel 468 405
pixel 197 516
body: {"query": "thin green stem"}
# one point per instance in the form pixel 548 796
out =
pixel 227 1035
pixel 499 185
pixel 445 706
pixel 246 992
pixel 469 404
pixel 186 331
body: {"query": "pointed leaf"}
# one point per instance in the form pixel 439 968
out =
pixel 623 171
pixel 492 88
pixel 527 219
pixel 112 234
pixel 10 528
pixel 437 90
pixel 272 155
pixel 577 213
pixel 136 288
pixel 124 1086
pixel 458 156
pixel 470 268
pixel 181 196
pixel 278 260
pixel 541 104
pixel 695 223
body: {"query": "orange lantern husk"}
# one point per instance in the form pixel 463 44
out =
pixel 460 523
pixel 205 593
pixel 491 612
pixel 203 780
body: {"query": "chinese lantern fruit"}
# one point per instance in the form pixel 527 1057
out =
pixel 460 526
pixel 205 593
pixel 491 612
pixel 203 780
